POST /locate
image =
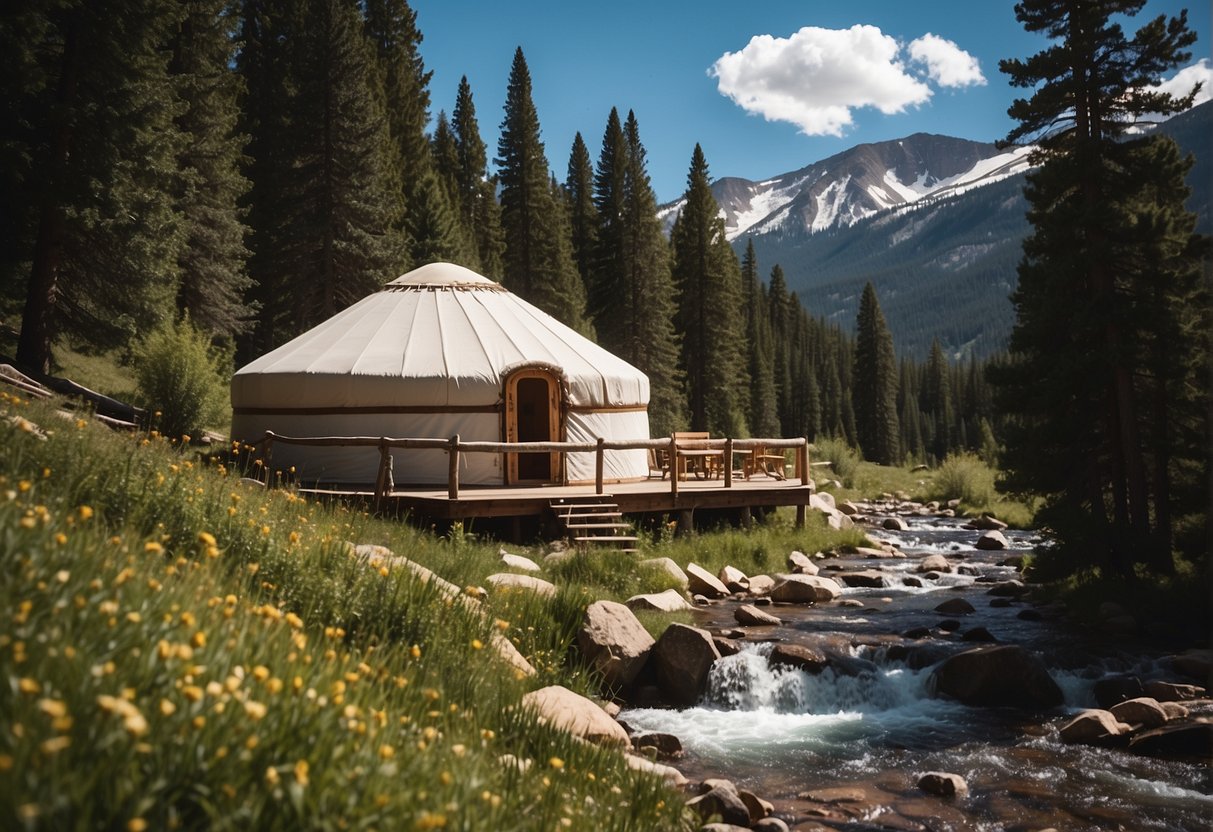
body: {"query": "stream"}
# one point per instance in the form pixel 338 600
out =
pixel 845 750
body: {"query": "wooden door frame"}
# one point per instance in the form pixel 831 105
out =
pixel 556 411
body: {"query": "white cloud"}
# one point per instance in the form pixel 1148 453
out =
pixel 1188 77
pixel 947 64
pixel 816 77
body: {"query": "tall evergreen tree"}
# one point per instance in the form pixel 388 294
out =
pixel 531 220
pixel 763 414
pixel 778 308
pixel 607 266
pixel 583 216
pixel 480 215
pixel 213 259
pixel 936 404
pixel 708 279
pixel 95 149
pixel 874 392
pixel 1081 435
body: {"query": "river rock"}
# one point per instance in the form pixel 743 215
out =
pixel 987 522
pixel 755 805
pixel 910 580
pixel 1093 727
pixel 1143 711
pixel 667 566
pixel 1174 710
pixel 1008 589
pixel 1195 664
pixel 1015 561
pixel 1186 741
pixel 726 646
pixel 944 784
pixel 518 562
pixel 848 508
pixel 798 656
pixel 703 582
pixel 864 577
pixel 992 541
pixel 511 582
pixel 614 642
pixel 573 713
pixel 771 824
pixel 894 524
pixel 761 585
pixel 749 615
pixel 667 746
pixel 682 659
pixel 669 601
pixel 955 606
pixel 1172 692
pixel 934 563
pixel 672 776
pixel 722 800
pixel 805 589
pixel 801 564
pixel 1003 675
pixel 734 579
pixel 980 634
pixel 723 827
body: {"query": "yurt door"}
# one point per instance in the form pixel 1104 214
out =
pixel 532 414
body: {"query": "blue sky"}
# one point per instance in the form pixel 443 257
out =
pixel 765 86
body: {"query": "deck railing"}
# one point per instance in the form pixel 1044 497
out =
pixel 384 480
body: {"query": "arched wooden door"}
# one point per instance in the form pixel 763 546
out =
pixel 532 414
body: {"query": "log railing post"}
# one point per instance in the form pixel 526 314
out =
pixel 452 477
pixel 802 463
pixel 673 467
pixel 598 466
pixel 728 462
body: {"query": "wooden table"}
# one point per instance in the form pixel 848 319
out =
pixel 704 464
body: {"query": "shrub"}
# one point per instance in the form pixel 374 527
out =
pixel 843 459
pixel 965 477
pixel 182 377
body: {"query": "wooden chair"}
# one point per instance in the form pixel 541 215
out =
pixel 770 464
pixel 659 463
pixel 694 457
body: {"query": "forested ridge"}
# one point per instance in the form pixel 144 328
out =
pixel 257 166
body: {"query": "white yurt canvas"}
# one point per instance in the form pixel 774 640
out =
pixel 437 352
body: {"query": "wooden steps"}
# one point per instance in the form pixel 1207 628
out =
pixel 594 521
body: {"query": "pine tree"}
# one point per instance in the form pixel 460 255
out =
pixel 538 263
pixel 1081 434
pixel 607 266
pixel 763 415
pixel 874 393
pixel 708 280
pixel 936 404
pixel 778 308
pixel 214 278
pixel 480 215
pixel 583 216
pixel 96 155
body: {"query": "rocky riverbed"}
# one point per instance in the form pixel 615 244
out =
pixel 915 684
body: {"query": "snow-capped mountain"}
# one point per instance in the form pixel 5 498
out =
pixel 857 183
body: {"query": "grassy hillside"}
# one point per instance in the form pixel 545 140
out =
pixel 185 650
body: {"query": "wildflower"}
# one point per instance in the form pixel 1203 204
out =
pixel 63 576
pixel 199 639
pixel 271 776
pixel 30 686
pixel 255 710
pixel 55 745
pixel 167 708
pixel 415 652
pixel 206 538
pixel 54 708
pixel 295 621
pixel 386 752
pixel 60 538
pixel 301 768
pixel 556 763
pixel 136 825
pixel 153 548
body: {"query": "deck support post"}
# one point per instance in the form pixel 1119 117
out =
pixel 686 522
pixel 800 512
pixel 747 518
pixel 452 476
pixel 598 465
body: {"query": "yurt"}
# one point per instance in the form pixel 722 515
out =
pixel 437 352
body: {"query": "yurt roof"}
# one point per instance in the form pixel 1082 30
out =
pixel 441 335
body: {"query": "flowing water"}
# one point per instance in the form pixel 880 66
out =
pixel 846 748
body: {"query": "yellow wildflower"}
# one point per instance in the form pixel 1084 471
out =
pixel 301 768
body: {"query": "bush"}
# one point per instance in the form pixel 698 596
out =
pixel 843 459
pixel 182 377
pixel 965 477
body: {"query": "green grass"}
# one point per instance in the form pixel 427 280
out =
pixel 184 651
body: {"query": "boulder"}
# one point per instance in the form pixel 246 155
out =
pixel 1196 664
pixel 1142 711
pixel 614 642
pixel 758 808
pixel 749 615
pixel 703 582
pixel 667 566
pixel 667 746
pixel 1093 727
pixel 798 656
pixel 934 563
pixel 1185 741
pixel 980 634
pixel 561 708
pixel 510 582
pixel 839 522
pixel 944 784
pixel 910 580
pixel 771 824
pixel 669 601
pixel 1172 692
pixel 1008 589
pixel 1002 675
pixel 992 541
pixel 801 564
pixel 848 508
pixel 864 577
pixel 894 524
pixel 682 659
pixel 518 562
pixel 734 579
pixel 987 522
pixel 1114 689
pixel 723 801
pixel 805 589
pixel 955 606
pixel 671 775
pixel 761 585
pixel 1174 710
